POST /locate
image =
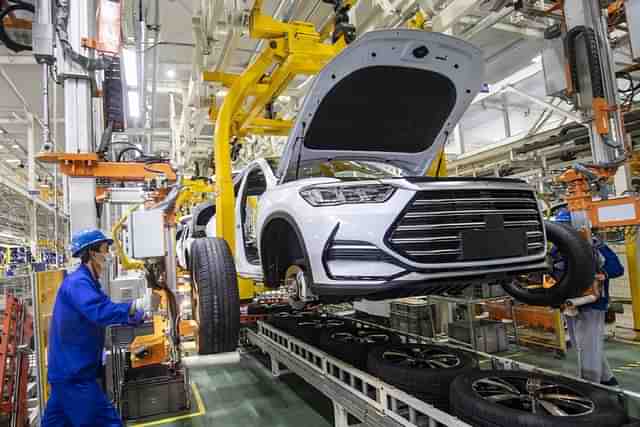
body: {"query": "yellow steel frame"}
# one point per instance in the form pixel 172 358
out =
pixel 193 191
pixel 127 263
pixel 292 49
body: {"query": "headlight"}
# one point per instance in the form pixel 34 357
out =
pixel 333 195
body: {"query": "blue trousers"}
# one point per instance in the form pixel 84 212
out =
pixel 81 404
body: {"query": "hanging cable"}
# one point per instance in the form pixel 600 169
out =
pixel 62 23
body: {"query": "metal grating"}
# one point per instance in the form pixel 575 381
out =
pixel 429 230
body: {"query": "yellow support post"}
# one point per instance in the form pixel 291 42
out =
pixel 631 246
pixel 439 165
pixel 225 221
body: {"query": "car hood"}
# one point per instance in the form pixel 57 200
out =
pixel 392 95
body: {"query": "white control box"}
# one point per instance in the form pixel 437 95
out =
pixel 127 287
pixel 146 234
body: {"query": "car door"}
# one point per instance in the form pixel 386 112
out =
pixel 257 179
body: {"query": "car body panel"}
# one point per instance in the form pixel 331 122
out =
pixel 377 100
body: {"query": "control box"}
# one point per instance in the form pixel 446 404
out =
pixel 146 234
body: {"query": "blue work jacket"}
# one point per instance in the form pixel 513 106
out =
pixel 76 336
pixel 608 264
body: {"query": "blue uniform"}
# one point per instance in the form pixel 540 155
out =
pixel 608 264
pixel 76 340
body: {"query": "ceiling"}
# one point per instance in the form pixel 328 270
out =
pixel 508 46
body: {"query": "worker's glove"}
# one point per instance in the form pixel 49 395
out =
pixel 148 303
pixel 137 318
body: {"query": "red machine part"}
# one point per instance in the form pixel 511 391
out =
pixel 16 333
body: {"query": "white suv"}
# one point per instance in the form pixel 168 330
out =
pixel 348 212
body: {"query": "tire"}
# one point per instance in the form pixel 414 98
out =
pixel 352 345
pixel 287 321
pixel 310 330
pixel 428 381
pixel 469 405
pixel 218 300
pixel 579 274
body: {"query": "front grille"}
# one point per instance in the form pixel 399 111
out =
pixel 429 230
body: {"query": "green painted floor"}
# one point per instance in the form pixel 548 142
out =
pixel 246 395
pixel 624 359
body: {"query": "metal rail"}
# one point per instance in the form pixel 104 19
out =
pixel 351 390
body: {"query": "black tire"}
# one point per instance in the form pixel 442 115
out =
pixel 310 330
pixel 352 345
pixel 218 300
pixel 427 381
pixel 287 321
pixel 579 275
pixel 469 405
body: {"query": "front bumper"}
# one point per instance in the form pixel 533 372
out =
pixel 350 252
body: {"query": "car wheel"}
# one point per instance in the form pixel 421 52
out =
pixel 423 370
pixel 217 302
pixel 523 399
pixel 579 270
pixel 287 321
pixel 310 330
pixel 352 345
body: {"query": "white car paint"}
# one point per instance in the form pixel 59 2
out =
pixel 365 225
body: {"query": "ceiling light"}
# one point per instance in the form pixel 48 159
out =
pixel 134 103
pixel 171 73
pixel 12 160
pixel 130 63
pixel 15 146
pixel 222 92
pixel 537 59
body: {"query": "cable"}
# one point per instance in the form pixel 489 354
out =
pixel 126 150
pixel 62 22
pixel 4 37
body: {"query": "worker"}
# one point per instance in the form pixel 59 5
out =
pixel 81 313
pixel 585 315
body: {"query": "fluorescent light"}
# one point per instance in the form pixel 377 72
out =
pixel 15 146
pixel 12 160
pixel 134 103
pixel 171 73
pixel 130 63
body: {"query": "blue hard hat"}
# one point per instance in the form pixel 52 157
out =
pixel 563 216
pixel 85 238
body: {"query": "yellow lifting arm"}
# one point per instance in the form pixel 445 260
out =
pixel 127 263
pixel 293 48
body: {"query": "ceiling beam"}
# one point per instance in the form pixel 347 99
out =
pixel 528 32
pixel 451 14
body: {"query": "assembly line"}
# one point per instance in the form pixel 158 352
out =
pixel 330 212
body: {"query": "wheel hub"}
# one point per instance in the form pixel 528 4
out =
pixel 534 395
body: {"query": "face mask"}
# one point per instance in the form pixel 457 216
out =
pixel 107 259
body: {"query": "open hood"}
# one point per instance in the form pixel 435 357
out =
pixel 391 96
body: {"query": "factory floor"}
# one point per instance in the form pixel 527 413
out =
pixel 246 395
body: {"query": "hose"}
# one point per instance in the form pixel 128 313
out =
pixel 591 46
pixel 62 22
pixel 4 37
pixel 126 262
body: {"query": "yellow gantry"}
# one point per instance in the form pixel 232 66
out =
pixel 292 49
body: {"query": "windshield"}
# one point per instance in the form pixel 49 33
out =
pixel 348 169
